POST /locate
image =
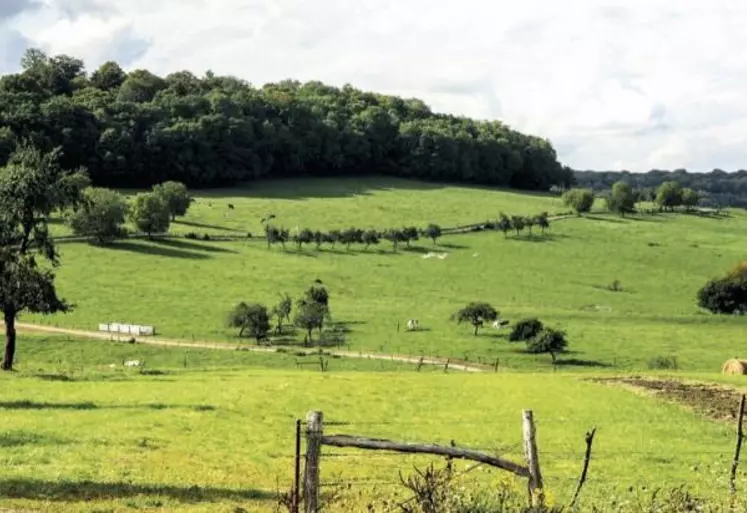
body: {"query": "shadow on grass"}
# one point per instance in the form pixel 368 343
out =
pixel 208 226
pixel 144 248
pixel 576 362
pixel 343 187
pixel 21 438
pixel 34 405
pixel 191 246
pixel 73 491
pixel 539 238
pixel 451 245
pixel 616 220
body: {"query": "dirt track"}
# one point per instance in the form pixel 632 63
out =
pixel 199 344
pixel 714 401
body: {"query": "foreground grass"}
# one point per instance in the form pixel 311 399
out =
pixel 185 288
pixel 221 440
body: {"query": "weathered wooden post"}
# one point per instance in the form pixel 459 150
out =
pixel 536 492
pixel 297 469
pixel 314 433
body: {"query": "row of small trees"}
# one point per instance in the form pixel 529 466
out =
pixel 622 198
pixel 538 338
pixel 311 312
pixel 101 212
pixel 351 236
pixel 396 236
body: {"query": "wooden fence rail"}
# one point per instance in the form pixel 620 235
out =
pixel 315 439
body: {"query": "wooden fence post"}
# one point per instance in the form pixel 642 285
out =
pixel 737 449
pixel 530 451
pixel 297 469
pixel 314 433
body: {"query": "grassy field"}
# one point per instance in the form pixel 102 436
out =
pixel 209 430
pixel 222 440
pixel 60 357
pixel 186 288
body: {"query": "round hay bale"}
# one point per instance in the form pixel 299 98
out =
pixel 735 366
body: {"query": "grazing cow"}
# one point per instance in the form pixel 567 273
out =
pixel 412 325
pixel 230 205
pixel 498 324
pixel 133 363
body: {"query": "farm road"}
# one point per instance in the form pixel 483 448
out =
pixel 197 344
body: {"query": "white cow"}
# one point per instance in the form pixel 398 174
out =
pixel 412 325
pixel 133 363
pixel 498 324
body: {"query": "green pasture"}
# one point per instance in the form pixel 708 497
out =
pixel 222 441
pixel 62 357
pixel 185 288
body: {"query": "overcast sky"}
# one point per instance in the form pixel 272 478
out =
pixel 635 84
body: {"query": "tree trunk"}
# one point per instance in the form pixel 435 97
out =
pixel 241 331
pixel 552 355
pixel 477 327
pixel 10 339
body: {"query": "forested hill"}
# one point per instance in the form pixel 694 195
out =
pixel 721 187
pixel 137 129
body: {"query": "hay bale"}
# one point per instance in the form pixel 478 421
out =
pixel 735 366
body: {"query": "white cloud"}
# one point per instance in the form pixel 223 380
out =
pixel 633 84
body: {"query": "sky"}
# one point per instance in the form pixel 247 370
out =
pixel 636 84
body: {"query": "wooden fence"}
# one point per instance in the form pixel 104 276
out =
pixel 316 438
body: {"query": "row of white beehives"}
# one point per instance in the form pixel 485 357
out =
pixel 128 329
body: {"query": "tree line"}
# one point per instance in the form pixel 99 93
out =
pixel 623 198
pixel 717 188
pixel 137 129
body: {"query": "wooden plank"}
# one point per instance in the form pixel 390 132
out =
pixel 438 450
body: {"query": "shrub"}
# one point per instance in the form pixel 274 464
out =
pixel 724 296
pixel 191 235
pixel 525 329
pixel 615 286
pixel 663 363
pixel 580 200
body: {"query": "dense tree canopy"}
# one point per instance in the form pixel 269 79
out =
pixel 138 129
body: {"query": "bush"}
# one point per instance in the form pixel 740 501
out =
pixel 580 200
pixel 526 329
pixel 615 286
pixel 191 235
pixel 726 295
pixel 663 363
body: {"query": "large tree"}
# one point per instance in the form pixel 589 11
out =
pixel 33 185
pixel 621 199
pixel 176 196
pixel 150 213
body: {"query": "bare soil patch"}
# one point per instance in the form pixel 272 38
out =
pixel 711 400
